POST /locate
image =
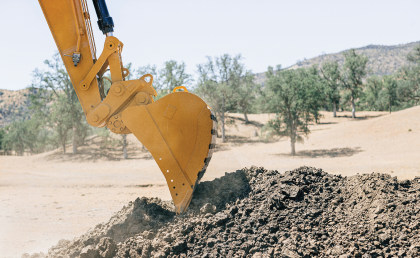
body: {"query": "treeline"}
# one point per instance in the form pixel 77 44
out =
pixel 375 93
pixel 56 115
pixel 298 96
pixel 295 96
pixel 57 118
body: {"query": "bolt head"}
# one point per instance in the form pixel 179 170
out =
pixel 141 99
pixel 117 89
pixel 94 118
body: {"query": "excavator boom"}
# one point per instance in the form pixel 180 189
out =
pixel 179 129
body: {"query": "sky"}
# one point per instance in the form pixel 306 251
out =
pixel 264 32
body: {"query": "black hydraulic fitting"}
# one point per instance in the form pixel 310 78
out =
pixel 105 22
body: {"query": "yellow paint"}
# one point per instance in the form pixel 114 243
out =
pixel 177 129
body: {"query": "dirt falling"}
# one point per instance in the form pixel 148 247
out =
pixel 258 213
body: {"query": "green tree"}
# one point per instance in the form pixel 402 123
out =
pixel 246 92
pixel 41 103
pixel 270 71
pixel 31 138
pixel 389 94
pixel 62 94
pixel 289 94
pixel 13 139
pixel 354 71
pixel 2 133
pixel 60 120
pixel 173 74
pixel 216 83
pixel 414 56
pixel 408 79
pixel 373 89
pixel 315 91
pixel 20 135
pixel 330 72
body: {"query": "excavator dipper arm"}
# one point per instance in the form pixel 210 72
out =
pixel 179 129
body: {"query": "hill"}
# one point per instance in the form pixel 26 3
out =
pixel 383 60
pixel 14 105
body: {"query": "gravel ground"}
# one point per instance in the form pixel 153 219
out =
pixel 259 213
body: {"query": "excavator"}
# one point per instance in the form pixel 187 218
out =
pixel 179 130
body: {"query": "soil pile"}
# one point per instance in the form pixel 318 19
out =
pixel 258 213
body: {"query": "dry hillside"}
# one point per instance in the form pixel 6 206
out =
pixel 14 105
pixel 383 60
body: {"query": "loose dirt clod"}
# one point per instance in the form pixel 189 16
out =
pixel 258 213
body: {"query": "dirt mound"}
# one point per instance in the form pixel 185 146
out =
pixel 258 213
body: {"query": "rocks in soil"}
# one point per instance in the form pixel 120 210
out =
pixel 89 252
pixel 106 247
pixel 208 208
pixel 259 213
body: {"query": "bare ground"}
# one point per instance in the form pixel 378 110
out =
pixel 51 196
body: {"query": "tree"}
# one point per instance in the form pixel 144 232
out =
pixel 245 92
pixel 62 94
pixel 414 56
pixel 173 75
pixel 271 72
pixel 20 135
pixel 217 79
pixel 389 94
pixel 331 73
pixel 13 139
pixel 2 133
pixel 408 79
pixel 354 71
pixel 315 91
pixel 288 94
pixel 31 138
pixel 61 121
pixel 373 89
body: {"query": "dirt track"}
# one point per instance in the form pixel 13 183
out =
pixel 45 197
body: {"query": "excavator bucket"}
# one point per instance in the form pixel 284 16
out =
pixel 179 130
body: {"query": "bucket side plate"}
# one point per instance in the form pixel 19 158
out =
pixel 179 131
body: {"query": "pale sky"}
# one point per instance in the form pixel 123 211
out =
pixel 264 32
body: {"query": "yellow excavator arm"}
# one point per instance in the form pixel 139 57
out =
pixel 179 129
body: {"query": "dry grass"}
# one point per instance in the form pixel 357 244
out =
pixel 51 196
